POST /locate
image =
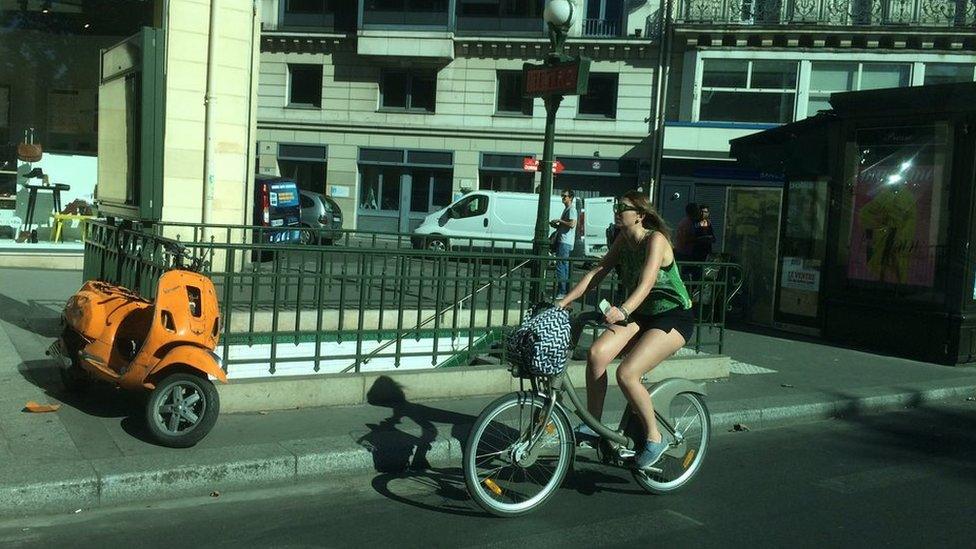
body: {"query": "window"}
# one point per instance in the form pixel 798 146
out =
pixel 510 99
pixel 305 201
pixel 307 6
pixel 832 77
pixel 601 97
pixel 471 206
pixel 408 91
pixel 429 190
pixel 895 219
pixel 945 73
pixel 500 8
pixel 380 188
pixel 514 182
pixel 738 90
pixel 306 164
pixel 305 85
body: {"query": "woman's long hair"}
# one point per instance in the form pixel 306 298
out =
pixel 652 219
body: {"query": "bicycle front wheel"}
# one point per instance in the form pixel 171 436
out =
pixel 689 418
pixel 505 472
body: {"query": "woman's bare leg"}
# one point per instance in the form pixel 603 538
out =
pixel 603 350
pixel 652 348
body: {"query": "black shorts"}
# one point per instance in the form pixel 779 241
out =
pixel 679 319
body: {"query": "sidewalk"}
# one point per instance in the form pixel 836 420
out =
pixel 94 451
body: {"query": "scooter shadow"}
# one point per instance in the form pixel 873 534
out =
pixel 99 400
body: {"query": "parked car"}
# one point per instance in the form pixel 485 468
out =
pixel 321 214
pixel 276 210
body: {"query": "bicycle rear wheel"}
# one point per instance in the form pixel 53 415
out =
pixel 504 473
pixel 688 416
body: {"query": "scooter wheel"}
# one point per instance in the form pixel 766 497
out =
pixel 182 409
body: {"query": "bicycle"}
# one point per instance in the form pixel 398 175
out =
pixel 506 456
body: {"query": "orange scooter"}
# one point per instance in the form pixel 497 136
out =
pixel 165 347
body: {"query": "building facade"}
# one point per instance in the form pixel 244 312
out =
pixel 742 66
pixel 398 109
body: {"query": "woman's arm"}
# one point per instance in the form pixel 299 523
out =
pixel 656 246
pixel 596 275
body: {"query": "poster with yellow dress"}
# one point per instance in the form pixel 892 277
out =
pixel 897 193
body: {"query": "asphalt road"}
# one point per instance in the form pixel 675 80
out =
pixel 902 479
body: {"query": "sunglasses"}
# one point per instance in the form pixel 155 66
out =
pixel 621 208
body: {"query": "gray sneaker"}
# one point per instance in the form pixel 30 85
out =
pixel 651 453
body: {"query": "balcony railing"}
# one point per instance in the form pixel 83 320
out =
pixel 925 13
pixel 600 28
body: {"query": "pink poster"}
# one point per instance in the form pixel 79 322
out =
pixel 894 232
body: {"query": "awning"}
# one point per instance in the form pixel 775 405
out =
pixel 795 149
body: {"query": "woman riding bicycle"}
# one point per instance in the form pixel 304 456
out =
pixel 657 313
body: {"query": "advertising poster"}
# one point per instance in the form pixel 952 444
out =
pixel 799 286
pixel 752 240
pixel 897 194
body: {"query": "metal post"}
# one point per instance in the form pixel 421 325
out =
pixel 545 197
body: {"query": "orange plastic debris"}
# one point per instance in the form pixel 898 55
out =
pixel 36 408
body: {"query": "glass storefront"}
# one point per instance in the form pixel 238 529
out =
pixel 398 188
pixel 49 81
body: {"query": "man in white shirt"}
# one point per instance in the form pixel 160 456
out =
pixel 565 227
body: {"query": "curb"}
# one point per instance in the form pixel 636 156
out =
pixel 66 487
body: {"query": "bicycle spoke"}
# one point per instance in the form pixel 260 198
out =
pixel 498 453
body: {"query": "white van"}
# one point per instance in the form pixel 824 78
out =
pixel 597 218
pixel 497 215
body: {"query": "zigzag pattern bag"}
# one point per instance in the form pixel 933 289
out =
pixel 539 346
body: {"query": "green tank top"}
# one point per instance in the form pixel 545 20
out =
pixel 669 291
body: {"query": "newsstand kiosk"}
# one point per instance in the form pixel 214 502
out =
pixel 877 220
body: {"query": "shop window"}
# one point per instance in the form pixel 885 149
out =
pixel 895 220
pixel 511 182
pixel 305 164
pixel 945 73
pixel 430 190
pixel 601 97
pixel 737 90
pixel 408 91
pixel 510 99
pixel 501 8
pixel 380 188
pixel 304 85
pixel 832 77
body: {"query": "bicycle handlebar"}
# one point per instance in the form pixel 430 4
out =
pixel 587 319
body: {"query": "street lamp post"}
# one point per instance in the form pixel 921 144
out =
pixel 559 75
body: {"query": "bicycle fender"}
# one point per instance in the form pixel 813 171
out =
pixel 665 390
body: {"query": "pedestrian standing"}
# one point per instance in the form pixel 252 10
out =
pixel 704 235
pixel 684 235
pixel 565 227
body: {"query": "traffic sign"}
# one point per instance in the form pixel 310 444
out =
pixel 530 164
pixel 559 78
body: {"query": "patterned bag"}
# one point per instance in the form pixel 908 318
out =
pixel 539 346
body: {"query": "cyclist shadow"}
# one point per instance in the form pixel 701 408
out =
pixel 403 458
pixel 590 476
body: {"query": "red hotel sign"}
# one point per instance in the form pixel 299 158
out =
pixel 557 79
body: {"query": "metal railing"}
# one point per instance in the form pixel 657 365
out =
pixel 600 28
pixel 926 13
pixel 291 310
